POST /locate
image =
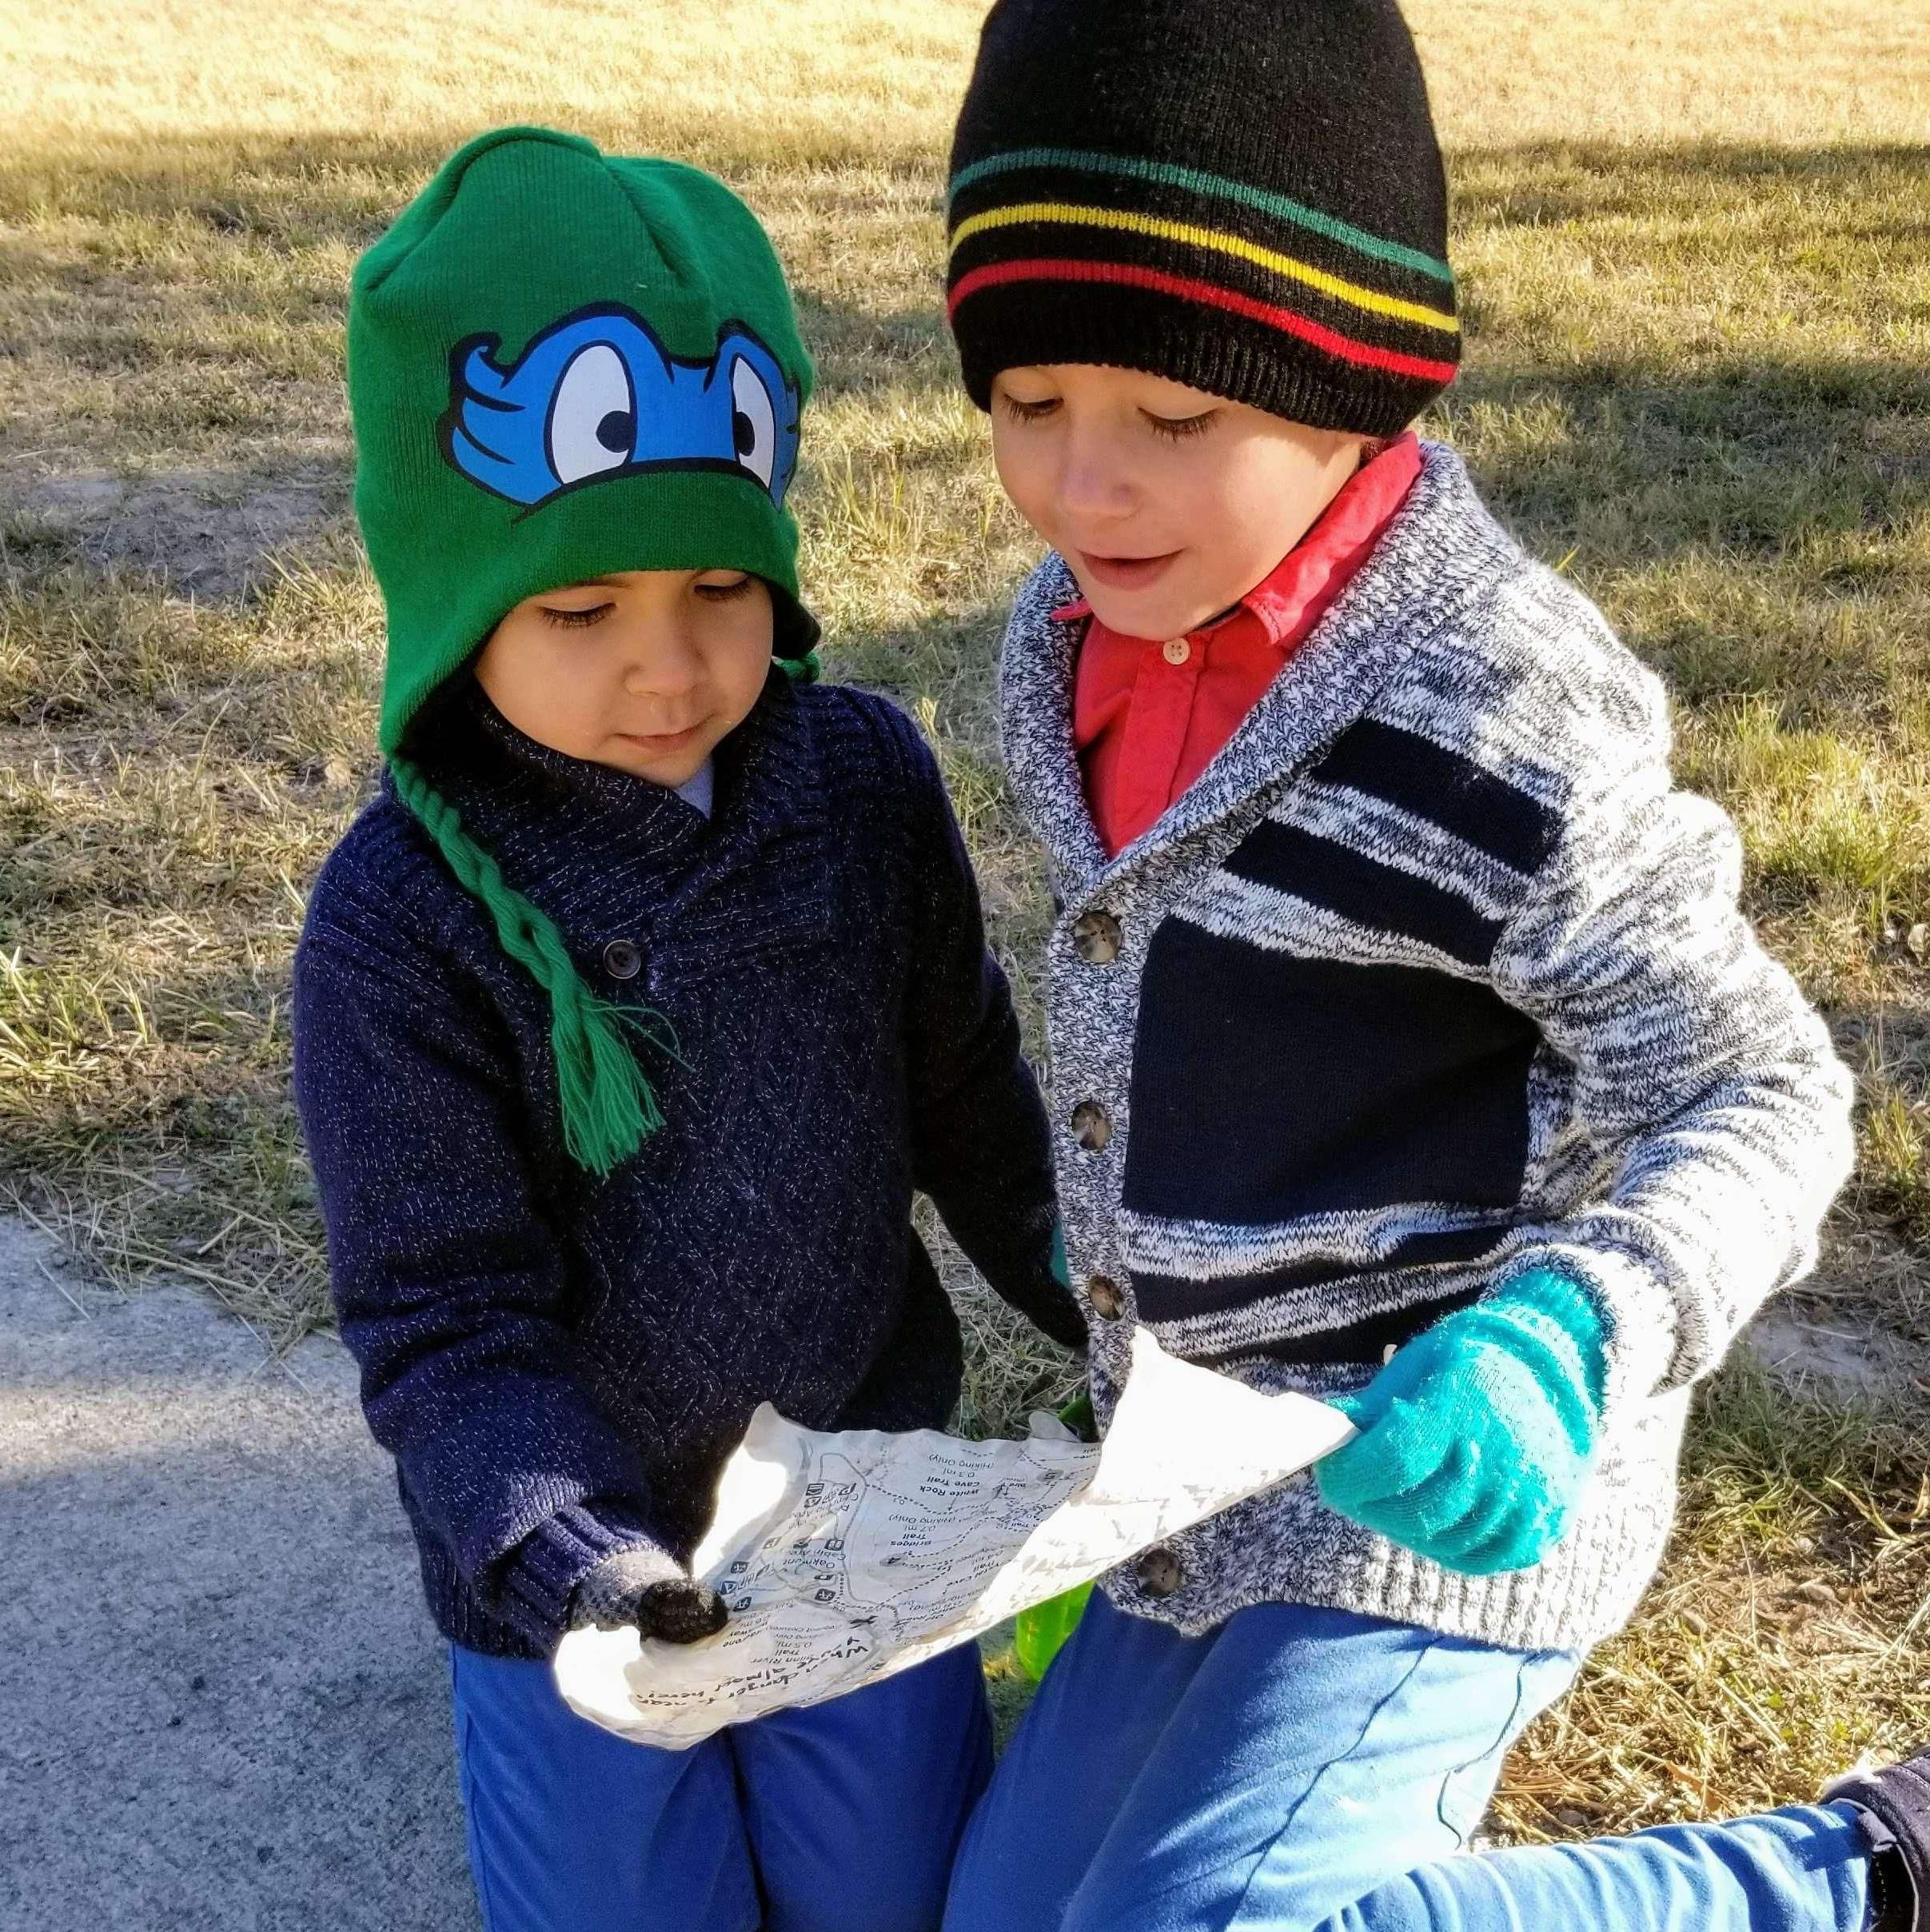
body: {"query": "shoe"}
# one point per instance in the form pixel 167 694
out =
pixel 1894 1802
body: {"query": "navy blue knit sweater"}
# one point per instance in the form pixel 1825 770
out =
pixel 559 1365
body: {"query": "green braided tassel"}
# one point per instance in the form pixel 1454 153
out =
pixel 805 670
pixel 609 1107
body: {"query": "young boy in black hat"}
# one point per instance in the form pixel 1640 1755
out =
pixel 1409 1047
pixel 627 1020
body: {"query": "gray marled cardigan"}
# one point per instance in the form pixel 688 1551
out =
pixel 1429 977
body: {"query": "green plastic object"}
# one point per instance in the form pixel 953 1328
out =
pixel 1077 1416
pixel 1041 1631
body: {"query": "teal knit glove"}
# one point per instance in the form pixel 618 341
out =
pixel 1475 1439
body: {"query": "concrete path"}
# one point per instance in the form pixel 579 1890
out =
pixel 222 1707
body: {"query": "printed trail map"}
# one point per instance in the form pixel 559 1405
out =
pixel 844 1557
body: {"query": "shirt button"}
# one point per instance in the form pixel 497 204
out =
pixel 1096 938
pixel 1177 652
pixel 1091 1126
pixel 1102 1291
pixel 622 960
pixel 1159 1573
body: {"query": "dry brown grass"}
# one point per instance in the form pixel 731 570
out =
pixel 1692 246
pixel 1801 1580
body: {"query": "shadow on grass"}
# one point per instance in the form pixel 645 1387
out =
pixel 1747 454
pixel 199 282
pixel 1536 184
pixel 290 198
pixel 345 185
pixel 1797 473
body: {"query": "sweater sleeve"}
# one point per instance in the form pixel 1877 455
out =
pixel 981 1148
pixel 448 1280
pixel 1701 1074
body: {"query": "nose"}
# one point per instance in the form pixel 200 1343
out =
pixel 664 663
pixel 1095 486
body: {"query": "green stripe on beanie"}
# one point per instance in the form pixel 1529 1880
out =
pixel 565 364
pixel 1208 187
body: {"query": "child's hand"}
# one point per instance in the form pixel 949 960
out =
pixel 643 1586
pixel 1475 1437
pixel 681 1611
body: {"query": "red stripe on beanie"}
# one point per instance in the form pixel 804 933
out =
pixel 996 274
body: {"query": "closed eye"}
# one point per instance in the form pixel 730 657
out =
pixel 1027 412
pixel 1179 429
pixel 576 620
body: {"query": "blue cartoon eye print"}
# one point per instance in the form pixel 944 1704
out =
pixel 596 395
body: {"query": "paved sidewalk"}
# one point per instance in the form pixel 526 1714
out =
pixel 225 1708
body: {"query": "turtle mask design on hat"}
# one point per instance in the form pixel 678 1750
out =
pixel 597 395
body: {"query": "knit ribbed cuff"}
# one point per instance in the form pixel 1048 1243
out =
pixel 1562 1320
pixel 1639 1317
pixel 536 1584
pixel 611 1592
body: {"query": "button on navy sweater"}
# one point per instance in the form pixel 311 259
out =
pixel 559 1364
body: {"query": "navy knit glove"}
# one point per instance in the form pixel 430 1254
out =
pixel 643 1586
pixel 1476 1438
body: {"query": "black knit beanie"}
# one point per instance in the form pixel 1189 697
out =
pixel 1245 196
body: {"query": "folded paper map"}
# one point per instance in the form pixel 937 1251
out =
pixel 845 1557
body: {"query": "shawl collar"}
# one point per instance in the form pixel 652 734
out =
pixel 598 849
pixel 1439 553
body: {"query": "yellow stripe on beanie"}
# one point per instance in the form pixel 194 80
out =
pixel 1067 215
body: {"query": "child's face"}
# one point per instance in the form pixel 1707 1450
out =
pixel 1168 503
pixel 647 671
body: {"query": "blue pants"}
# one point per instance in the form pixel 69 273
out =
pixel 841 1817
pixel 1301 1768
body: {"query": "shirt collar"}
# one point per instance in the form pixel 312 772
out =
pixel 1364 502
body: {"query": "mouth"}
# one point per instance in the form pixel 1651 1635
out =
pixel 1125 572
pixel 658 743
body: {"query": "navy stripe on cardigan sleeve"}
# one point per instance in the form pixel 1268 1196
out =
pixel 981 1147
pixel 447 1280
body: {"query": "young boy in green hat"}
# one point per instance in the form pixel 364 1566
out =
pixel 627 1019
pixel 1410 1047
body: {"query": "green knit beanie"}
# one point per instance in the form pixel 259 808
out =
pixel 564 365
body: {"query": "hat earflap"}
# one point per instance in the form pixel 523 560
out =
pixel 609 1107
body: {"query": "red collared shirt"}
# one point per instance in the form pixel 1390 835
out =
pixel 1148 717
